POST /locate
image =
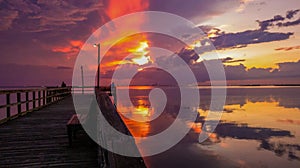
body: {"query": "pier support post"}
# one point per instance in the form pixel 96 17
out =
pixel 19 102
pixel 8 105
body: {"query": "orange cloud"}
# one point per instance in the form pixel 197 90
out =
pixel 70 50
pixel 118 8
pixel 73 47
pixel 287 48
pixel 76 43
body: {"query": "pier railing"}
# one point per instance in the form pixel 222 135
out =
pixel 28 100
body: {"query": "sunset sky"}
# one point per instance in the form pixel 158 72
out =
pixel 257 40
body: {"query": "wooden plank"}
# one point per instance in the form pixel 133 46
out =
pixel 40 139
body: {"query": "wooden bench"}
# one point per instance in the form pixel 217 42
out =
pixel 73 126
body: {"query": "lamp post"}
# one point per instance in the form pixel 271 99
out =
pixel 98 71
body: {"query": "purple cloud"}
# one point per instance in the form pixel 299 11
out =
pixel 242 39
pixel 267 23
pixel 39 16
pixel 286 24
pixel 277 20
pixel 290 14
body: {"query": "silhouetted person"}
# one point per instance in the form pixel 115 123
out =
pixel 63 84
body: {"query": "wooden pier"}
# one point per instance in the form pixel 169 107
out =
pixel 39 139
pixel 35 133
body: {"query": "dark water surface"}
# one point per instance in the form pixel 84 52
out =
pixel 260 127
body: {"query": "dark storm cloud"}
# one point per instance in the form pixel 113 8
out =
pixel 290 14
pixel 260 35
pixel 267 23
pixel 286 24
pixel 277 20
pixel 242 39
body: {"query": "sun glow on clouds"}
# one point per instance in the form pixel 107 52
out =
pixel 70 50
pixel 118 8
pixel 127 46
pixel 141 54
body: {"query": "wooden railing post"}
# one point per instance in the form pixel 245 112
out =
pixel 51 98
pixel 27 99
pixel 39 96
pixel 8 105
pixel 33 99
pixel 19 102
pixel 47 98
pixel 44 97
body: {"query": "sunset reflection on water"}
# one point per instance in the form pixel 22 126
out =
pixel 143 112
pixel 259 128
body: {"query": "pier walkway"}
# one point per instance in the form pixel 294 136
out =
pixel 39 139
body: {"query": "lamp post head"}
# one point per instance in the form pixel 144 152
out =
pixel 96 45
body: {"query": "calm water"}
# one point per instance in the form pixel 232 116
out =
pixel 260 127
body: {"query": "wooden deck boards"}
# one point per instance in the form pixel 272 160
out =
pixel 39 139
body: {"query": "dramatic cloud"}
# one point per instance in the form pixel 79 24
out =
pixel 51 33
pixel 290 14
pixel 223 40
pixel 46 32
pixel 286 24
pixel 277 20
pixel 267 23
pixel 242 39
